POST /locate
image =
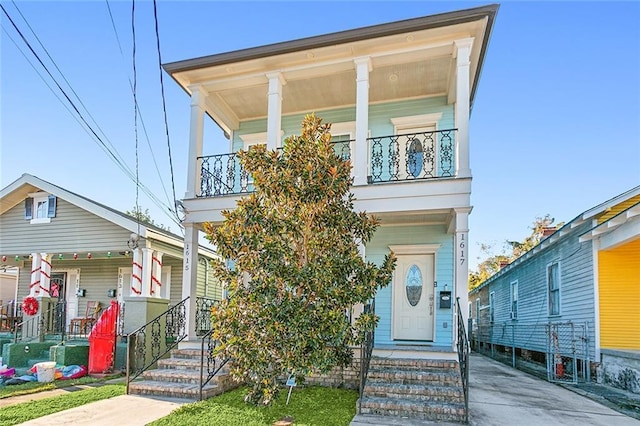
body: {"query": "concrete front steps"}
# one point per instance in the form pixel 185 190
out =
pixel 414 388
pixel 179 377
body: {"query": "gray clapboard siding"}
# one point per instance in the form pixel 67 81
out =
pixel 576 293
pixel 73 230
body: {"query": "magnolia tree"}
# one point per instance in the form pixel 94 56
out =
pixel 296 268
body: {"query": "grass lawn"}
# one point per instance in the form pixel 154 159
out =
pixel 15 414
pixel 307 406
pixel 34 387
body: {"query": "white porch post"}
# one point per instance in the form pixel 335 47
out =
pixel 34 286
pixel 156 289
pixel 135 287
pixel 146 271
pixel 190 277
pixel 195 142
pixel 461 256
pixel 360 155
pixel 45 274
pixel 274 113
pixel 463 94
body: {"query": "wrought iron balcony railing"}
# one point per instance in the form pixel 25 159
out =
pixel 410 156
pixel 424 155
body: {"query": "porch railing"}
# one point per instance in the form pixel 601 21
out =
pixel 366 349
pixel 49 323
pixel 463 359
pixel 152 341
pixel 203 314
pixel 411 156
pixel 10 315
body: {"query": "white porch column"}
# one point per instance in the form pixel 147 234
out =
pixel 135 288
pixel 45 274
pixel 360 156
pixel 274 113
pixel 190 277
pixel 461 257
pixel 195 142
pixel 463 95
pixel 146 271
pixel 34 286
pixel 156 289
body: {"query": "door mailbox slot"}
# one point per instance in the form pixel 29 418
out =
pixel 445 299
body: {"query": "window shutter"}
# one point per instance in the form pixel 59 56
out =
pixel 28 208
pixel 52 206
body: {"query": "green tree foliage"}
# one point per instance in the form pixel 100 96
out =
pixel 296 266
pixel 144 217
pixel 513 250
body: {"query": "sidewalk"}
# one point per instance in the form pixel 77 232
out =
pixel 127 410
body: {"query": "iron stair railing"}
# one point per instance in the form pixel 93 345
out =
pixel 147 344
pixel 213 363
pixel 366 349
pixel 463 359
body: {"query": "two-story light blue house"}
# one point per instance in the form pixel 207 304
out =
pixel 399 96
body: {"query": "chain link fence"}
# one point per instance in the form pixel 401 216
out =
pixel 559 350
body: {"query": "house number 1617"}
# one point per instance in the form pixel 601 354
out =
pixel 462 245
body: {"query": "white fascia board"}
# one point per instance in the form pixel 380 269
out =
pixel 119 219
pixel 627 232
pixel 611 203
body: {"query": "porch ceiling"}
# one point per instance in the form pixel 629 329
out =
pixel 411 60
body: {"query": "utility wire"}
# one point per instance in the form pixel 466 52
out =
pixel 78 115
pixel 164 109
pixel 135 107
pixel 144 127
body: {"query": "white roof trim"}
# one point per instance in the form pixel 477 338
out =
pixel 616 221
pixel 611 203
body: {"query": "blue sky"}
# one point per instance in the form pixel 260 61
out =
pixel 555 126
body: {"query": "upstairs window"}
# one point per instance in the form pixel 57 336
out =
pixel 492 297
pixel 553 284
pixel 40 207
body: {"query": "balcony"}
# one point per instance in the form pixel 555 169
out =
pixel 396 158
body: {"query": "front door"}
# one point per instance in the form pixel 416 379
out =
pixel 413 292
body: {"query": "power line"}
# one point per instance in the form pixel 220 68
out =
pixel 79 116
pixel 164 107
pixel 144 127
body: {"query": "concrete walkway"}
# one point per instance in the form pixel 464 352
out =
pixel 121 410
pixel 501 395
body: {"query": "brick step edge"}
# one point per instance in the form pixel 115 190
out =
pixel 408 363
pixel 424 410
pixel 173 390
pixel 415 392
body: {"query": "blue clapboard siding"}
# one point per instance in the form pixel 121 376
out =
pixel 379 118
pixel 378 247
pixel 576 293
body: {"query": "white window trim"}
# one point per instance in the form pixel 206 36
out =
pixel 412 121
pixel 37 197
pixel 555 262
pixel 344 128
pixel 492 307
pixel 250 139
pixel 514 315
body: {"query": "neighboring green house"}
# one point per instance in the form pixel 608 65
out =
pixel 399 98
pixel 70 251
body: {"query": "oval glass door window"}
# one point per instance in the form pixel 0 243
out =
pixel 413 285
pixel 415 158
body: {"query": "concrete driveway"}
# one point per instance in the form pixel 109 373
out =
pixel 500 395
